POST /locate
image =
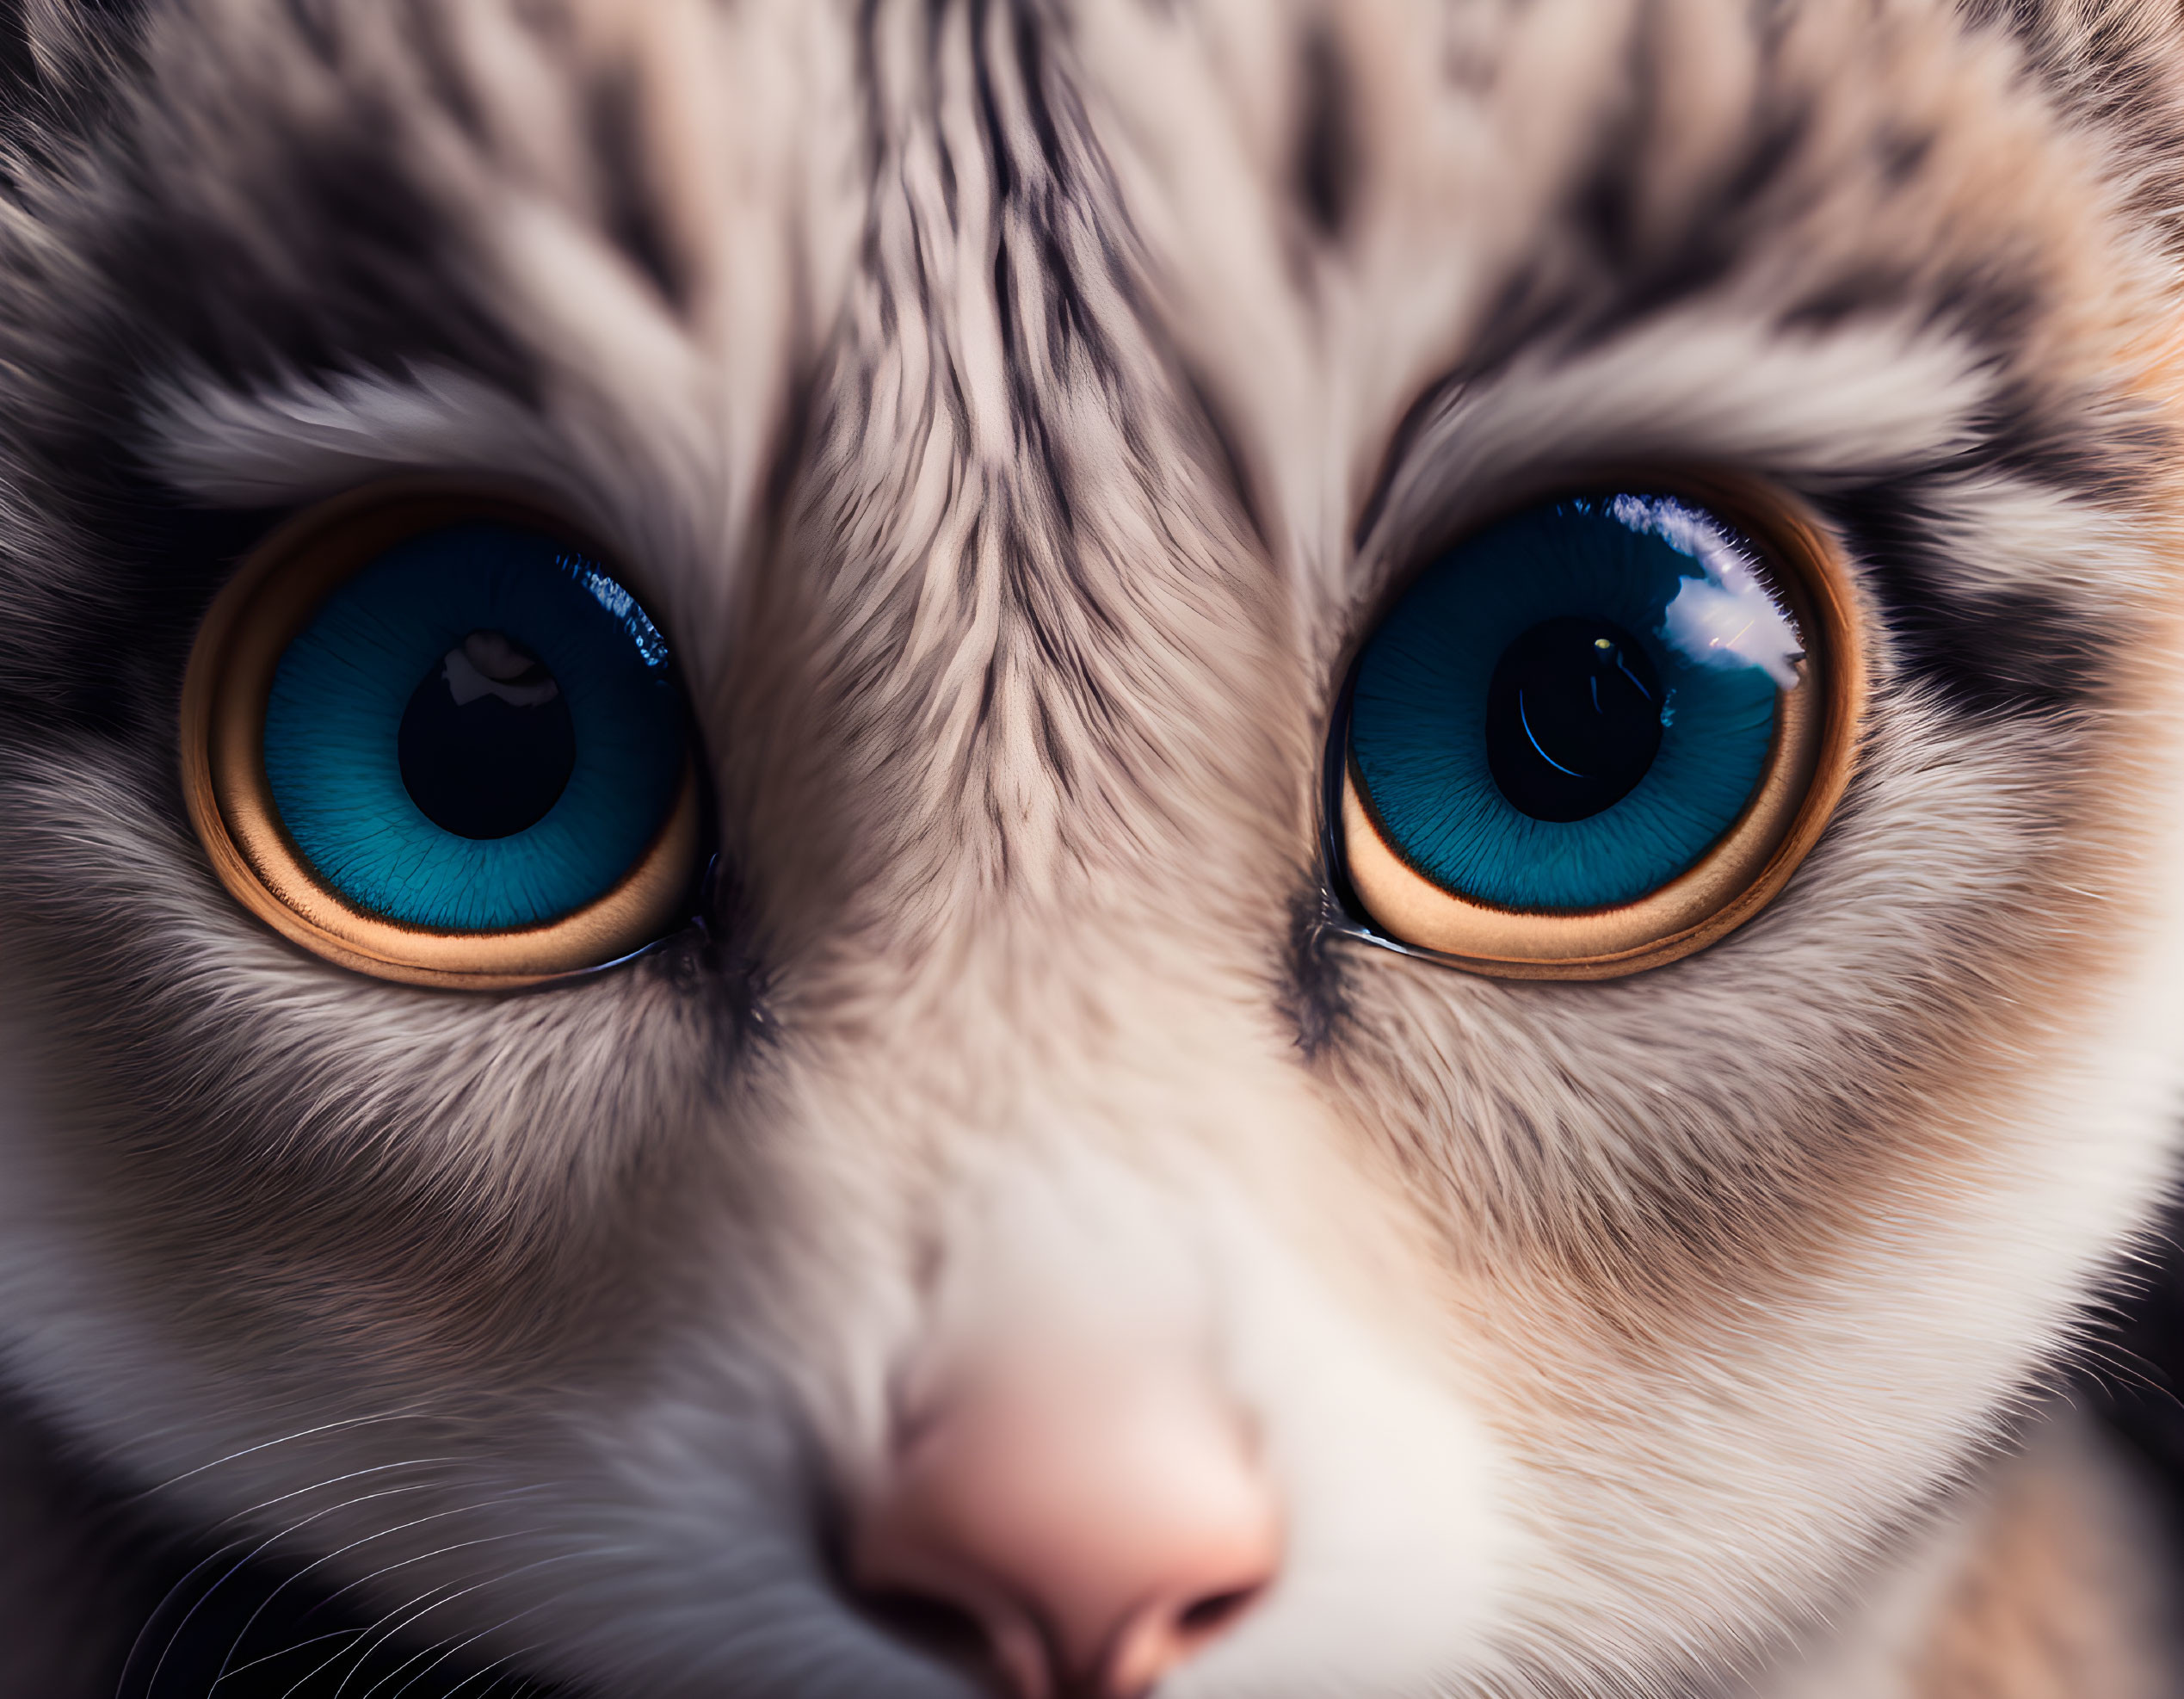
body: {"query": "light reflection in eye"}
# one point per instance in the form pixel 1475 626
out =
pixel 650 645
pixel 1728 618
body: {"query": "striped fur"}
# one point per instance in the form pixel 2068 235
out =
pixel 1015 411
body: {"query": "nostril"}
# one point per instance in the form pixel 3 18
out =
pixel 1086 1533
pixel 1168 1632
pixel 1000 1647
pixel 933 1626
pixel 1209 1615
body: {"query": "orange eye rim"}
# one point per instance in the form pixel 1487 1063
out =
pixel 272 595
pixel 1808 767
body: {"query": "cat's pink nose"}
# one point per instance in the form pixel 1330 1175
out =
pixel 1100 1530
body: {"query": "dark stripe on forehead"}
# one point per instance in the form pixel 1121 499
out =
pixel 1058 246
pixel 1327 169
pixel 58 64
pixel 1638 229
pixel 635 221
pixel 351 268
pixel 1062 261
pixel 1614 252
pixel 234 233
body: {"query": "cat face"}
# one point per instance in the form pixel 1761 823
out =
pixel 1016 419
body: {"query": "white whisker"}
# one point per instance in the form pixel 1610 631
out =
pixel 419 1606
pixel 454 1648
pixel 242 1563
pixel 380 1534
pixel 347 1424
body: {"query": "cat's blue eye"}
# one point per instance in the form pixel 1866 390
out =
pixel 1568 710
pixel 476 733
pixel 441 740
pixel 1587 730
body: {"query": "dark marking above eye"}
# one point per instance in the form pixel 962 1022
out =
pixel 1326 168
pixel 629 201
pixel 389 280
pixel 431 31
pixel 548 19
pixel 1904 154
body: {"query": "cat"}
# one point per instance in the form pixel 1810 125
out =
pixel 1034 1222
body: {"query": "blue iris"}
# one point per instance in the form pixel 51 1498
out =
pixel 1567 710
pixel 476 732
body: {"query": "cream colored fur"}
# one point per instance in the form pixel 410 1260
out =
pixel 1014 457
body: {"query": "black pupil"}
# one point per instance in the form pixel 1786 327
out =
pixel 487 745
pixel 1573 718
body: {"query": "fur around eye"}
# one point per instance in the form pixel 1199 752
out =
pixel 1598 733
pixel 432 736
